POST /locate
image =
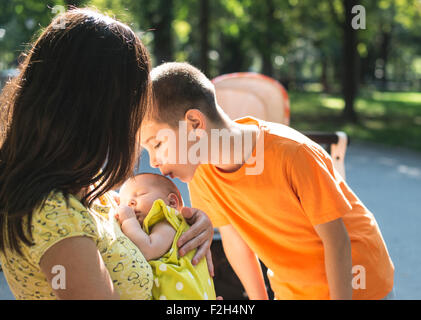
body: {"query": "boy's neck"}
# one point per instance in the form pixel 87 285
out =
pixel 242 141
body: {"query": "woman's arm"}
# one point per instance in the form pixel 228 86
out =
pixel 154 245
pixel 244 262
pixel 198 236
pixel 338 259
pixel 85 275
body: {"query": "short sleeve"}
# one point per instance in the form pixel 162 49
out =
pixel 58 219
pixel 199 200
pixel 314 182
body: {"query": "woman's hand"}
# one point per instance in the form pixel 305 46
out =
pixel 198 236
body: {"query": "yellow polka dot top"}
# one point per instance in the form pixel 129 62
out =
pixel 57 220
pixel 175 277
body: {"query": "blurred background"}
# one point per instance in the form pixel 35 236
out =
pixel 365 82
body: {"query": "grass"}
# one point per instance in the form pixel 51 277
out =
pixel 389 118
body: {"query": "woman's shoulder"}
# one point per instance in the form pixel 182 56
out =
pixel 59 207
pixel 58 217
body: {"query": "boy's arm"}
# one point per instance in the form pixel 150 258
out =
pixel 244 262
pixel 338 259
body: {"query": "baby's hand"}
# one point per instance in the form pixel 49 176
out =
pixel 124 212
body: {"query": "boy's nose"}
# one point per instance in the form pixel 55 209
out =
pixel 154 163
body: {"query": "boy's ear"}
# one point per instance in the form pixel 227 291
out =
pixel 195 119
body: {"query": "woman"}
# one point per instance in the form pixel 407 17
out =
pixel 70 132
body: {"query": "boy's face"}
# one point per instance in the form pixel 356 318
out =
pixel 164 153
pixel 140 193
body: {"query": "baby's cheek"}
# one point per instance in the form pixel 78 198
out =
pixel 123 201
pixel 145 206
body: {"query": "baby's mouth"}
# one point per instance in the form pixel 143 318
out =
pixel 138 215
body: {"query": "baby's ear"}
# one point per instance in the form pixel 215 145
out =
pixel 173 200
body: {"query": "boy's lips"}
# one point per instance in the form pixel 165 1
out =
pixel 169 174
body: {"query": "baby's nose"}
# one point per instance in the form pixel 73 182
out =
pixel 132 203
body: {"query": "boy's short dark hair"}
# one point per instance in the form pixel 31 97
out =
pixel 179 87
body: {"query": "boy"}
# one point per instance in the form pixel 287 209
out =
pixel 293 211
pixel 153 201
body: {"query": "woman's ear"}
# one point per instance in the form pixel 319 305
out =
pixel 173 200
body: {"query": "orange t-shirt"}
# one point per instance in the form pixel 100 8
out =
pixel 275 211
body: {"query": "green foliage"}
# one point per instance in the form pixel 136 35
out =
pixel 292 39
pixel 299 42
pixel 22 21
pixel 389 118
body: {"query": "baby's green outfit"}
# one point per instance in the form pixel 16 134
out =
pixel 175 278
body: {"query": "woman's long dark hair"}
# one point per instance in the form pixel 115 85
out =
pixel 71 117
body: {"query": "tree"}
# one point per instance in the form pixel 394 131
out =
pixel 163 36
pixel 21 21
pixel 267 30
pixel 156 17
pixel 390 38
pixel 204 36
pixel 229 36
pixel 350 54
pixel 322 31
pixel 75 3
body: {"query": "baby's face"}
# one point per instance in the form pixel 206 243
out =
pixel 140 193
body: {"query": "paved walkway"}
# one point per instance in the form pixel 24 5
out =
pixel 388 181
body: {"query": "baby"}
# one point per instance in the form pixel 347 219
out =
pixel 149 217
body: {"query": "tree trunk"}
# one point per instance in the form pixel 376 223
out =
pixel 384 55
pixel 233 58
pixel 266 51
pixel 350 62
pixel 267 67
pixel 204 36
pixel 367 66
pixel 163 38
pixel 324 77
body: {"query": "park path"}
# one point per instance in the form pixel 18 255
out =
pixel 388 181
